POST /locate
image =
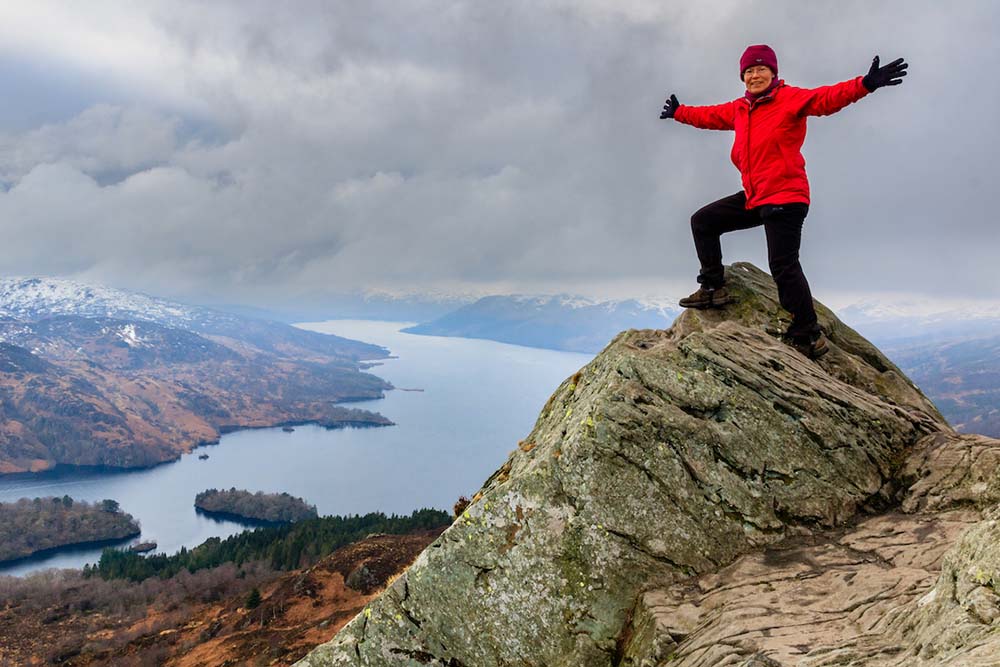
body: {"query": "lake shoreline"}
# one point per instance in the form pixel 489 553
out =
pixel 61 470
pixel 250 522
pixel 86 545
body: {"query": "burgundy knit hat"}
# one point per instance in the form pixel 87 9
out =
pixel 758 54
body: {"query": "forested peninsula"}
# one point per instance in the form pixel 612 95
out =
pixel 31 526
pixel 284 547
pixel 240 504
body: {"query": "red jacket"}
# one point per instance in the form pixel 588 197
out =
pixel 769 135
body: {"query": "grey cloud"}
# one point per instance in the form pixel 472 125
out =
pixel 101 139
pixel 400 145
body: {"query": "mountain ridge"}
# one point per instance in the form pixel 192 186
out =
pixel 102 377
pixel 32 299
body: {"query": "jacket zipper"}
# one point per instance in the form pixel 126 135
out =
pixel 750 106
pixel 749 180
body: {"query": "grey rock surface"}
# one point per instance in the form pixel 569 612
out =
pixel 665 460
pixel 910 587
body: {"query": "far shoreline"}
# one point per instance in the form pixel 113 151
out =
pixel 250 522
pixel 64 470
pixel 63 549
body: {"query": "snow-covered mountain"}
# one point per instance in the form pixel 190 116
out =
pixel 894 308
pixel 33 299
pixel 98 376
pixel 114 343
pixel 885 320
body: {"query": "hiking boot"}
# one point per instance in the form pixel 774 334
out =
pixel 814 348
pixel 707 298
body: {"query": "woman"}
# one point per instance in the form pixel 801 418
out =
pixel 770 125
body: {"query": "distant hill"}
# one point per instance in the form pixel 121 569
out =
pixel 896 322
pixel 560 322
pixel 98 376
pixel 962 378
pixel 952 353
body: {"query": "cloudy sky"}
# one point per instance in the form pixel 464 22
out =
pixel 269 153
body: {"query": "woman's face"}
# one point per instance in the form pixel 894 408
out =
pixel 758 78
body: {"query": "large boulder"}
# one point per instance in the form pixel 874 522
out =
pixel 668 457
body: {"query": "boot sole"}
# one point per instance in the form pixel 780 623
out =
pixel 811 353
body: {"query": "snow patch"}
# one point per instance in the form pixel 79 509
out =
pixel 31 299
pixel 128 334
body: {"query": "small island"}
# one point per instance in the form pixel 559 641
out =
pixel 263 508
pixel 30 527
pixel 143 547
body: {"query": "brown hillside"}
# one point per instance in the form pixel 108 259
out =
pixel 298 611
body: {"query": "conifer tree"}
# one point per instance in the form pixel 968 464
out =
pixel 253 600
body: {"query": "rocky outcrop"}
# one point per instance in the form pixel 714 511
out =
pixel 692 497
pixel 915 586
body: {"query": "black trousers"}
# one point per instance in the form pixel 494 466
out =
pixel 783 228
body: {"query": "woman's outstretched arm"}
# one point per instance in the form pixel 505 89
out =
pixel 715 117
pixel 826 100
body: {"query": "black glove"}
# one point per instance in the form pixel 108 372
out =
pixel 890 75
pixel 670 107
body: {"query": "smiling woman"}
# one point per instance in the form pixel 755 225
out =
pixel 770 126
pixel 758 79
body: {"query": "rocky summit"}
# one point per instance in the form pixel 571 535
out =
pixel 706 495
